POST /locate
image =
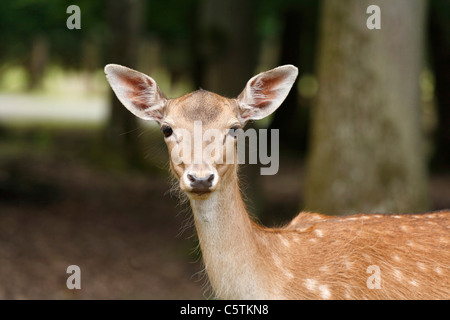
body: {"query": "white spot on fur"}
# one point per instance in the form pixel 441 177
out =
pixel 311 284
pixel 288 274
pixel 279 264
pixel 398 275
pixel 325 291
pixel 276 260
pixel 348 264
pixel 367 257
pixel 319 233
pixel 284 241
pixel 438 270
pixel 404 228
pixel 324 269
pixel 410 243
pixel 413 283
pixel 421 266
pixel 397 258
pixel 313 240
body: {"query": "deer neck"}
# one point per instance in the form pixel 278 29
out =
pixel 227 239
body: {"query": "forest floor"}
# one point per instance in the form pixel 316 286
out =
pixel 121 227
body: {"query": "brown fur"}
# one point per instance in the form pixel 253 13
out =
pixel 411 251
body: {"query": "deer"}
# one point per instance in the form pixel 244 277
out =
pixel 315 256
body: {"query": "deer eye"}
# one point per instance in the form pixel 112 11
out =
pixel 166 130
pixel 232 132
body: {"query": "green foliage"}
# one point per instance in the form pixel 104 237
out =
pixel 23 20
pixel 171 20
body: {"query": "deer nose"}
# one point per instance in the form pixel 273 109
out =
pixel 200 184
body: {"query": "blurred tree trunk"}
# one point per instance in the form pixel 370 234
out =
pixel 196 50
pixel 38 60
pixel 439 37
pixel 298 47
pixel 123 17
pixel 229 45
pixel 366 152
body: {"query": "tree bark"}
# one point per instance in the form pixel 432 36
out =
pixel 366 150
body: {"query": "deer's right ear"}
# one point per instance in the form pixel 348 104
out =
pixel 138 92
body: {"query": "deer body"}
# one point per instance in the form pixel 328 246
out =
pixel 320 257
pixel 313 257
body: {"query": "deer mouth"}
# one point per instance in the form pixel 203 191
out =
pixel 200 192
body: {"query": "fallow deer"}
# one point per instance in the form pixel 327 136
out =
pixel 363 256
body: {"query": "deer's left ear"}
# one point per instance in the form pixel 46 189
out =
pixel 265 92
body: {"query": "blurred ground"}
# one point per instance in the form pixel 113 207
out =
pixel 122 228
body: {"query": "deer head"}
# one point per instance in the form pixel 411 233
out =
pixel 193 122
